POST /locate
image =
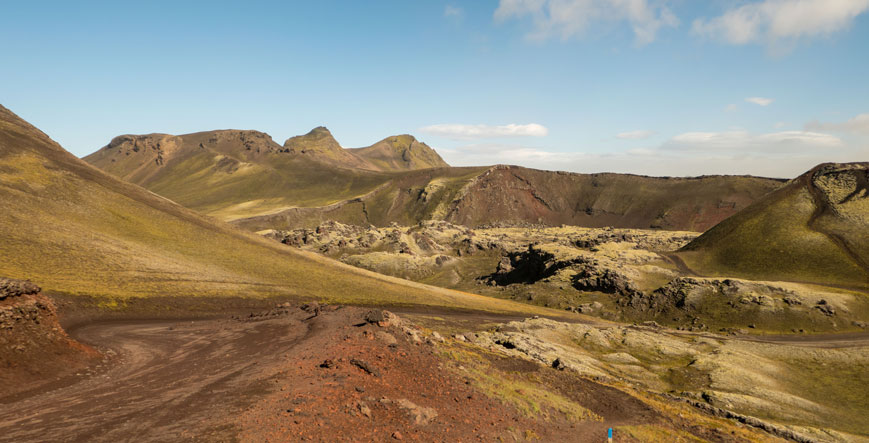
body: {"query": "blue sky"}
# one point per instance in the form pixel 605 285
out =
pixel 657 87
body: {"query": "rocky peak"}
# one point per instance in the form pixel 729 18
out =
pixel 159 145
pixel 317 140
pixel 321 131
pixel 246 140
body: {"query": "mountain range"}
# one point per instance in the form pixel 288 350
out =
pixel 248 179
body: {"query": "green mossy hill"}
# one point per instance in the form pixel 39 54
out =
pixel 233 174
pixel 319 145
pixel 73 229
pixel 814 229
pixel 400 153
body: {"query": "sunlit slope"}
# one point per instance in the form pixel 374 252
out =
pixel 230 174
pixel 406 198
pixel 74 229
pixel 511 193
pixel 400 153
pixel 517 195
pixel 815 229
pixel 247 178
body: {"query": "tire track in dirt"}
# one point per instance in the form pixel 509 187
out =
pixel 169 377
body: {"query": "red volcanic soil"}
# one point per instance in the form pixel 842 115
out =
pixel 319 374
pixel 362 381
pixel 34 349
pixel 516 194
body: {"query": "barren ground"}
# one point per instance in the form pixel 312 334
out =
pixel 263 378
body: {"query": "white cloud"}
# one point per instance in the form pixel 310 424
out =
pixel 761 101
pixel 769 21
pixel 463 132
pixel 568 18
pixel 658 161
pixel 775 143
pixel 499 153
pixel 453 12
pixel 731 107
pixel 635 135
pixel 784 154
pixel 856 125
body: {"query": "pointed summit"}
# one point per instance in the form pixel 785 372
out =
pixel 319 144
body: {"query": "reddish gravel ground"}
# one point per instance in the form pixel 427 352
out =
pixel 407 397
pixel 289 374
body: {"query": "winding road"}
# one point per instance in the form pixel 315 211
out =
pixel 170 381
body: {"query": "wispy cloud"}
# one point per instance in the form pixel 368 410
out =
pixel 771 21
pixel 453 12
pixel 856 125
pixel 465 132
pixel 568 18
pixel 760 101
pixel 783 154
pixel 635 135
pixel 736 141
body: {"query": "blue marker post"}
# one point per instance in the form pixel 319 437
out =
pixel 609 435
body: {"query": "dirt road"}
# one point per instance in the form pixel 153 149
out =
pixel 213 380
pixel 168 378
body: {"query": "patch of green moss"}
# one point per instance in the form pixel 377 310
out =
pixel 520 390
pixel 655 433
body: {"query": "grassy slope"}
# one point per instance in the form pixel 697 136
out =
pixel 226 182
pixel 243 176
pixel 240 175
pixel 260 189
pixel 74 229
pixel 478 196
pixel 397 200
pixel 772 240
pixel 400 153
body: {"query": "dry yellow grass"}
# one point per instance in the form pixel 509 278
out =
pixel 74 229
